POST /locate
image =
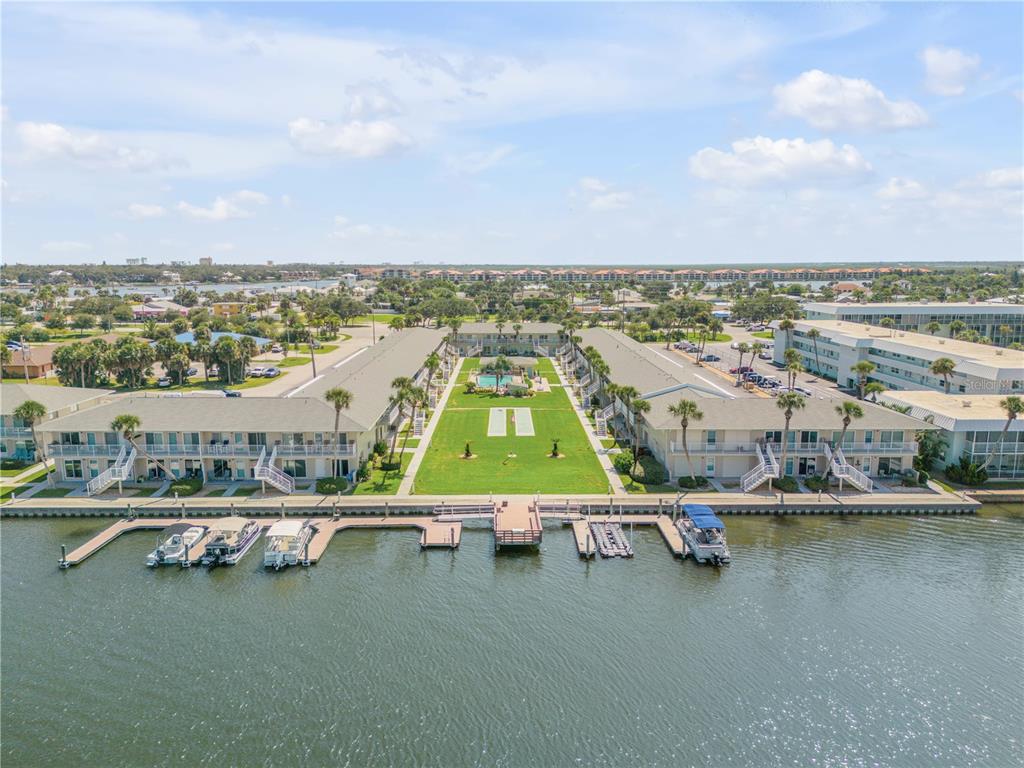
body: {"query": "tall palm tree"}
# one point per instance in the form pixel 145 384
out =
pixel 933 327
pixel 788 402
pixel 685 410
pixel 943 367
pixel 128 424
pixel 863 369
pixel 814 334
pixel 873 389
pixel 1013 406
pixel 32 412
pixel 889 324
pixel 341 399
pixel 417 398
pixel 786 325
pixel 847 411
pixel 793 369
pixel 400 393
pixel 432 364
pixel 957 327
pixel 743 349
pixel 639 407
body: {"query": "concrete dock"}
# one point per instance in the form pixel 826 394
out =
pixel 517 524
pixel 673 538
pixel 585 544
pixel 107 535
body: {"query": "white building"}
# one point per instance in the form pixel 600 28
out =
pixel 989 319
pixel 972 426
pixel 902 358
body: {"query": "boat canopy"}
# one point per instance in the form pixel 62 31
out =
pixel 229 524
pixel 175 528
pixel 703 516
pixel 286 528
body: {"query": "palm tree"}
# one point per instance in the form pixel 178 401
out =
pixel 786 325
pixel 341 399
pixel 743 349
pixel 863 369
pixel 788 402
pixel 848 411
pixel 957 327
pixel 933 327
pixel 128 425
pixel 943 367
pixel 400 387
pixel 814 334
pixel 888 323
pixel 638 407
pixel 432 364
pixel 1013 406
pixel 685 410
pixel 417 398
pixel 31 412
pixel 793 369
pixel 873 389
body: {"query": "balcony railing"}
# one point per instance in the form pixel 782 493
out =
pixel 15 432
pixel 1003 448
pixel 61 449
pixel 196 451
pixel 808 448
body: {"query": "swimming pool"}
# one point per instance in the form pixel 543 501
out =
pixel 490 380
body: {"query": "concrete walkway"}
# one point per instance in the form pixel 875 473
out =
pixel 614 481
pixel 405 488
pixel 22 476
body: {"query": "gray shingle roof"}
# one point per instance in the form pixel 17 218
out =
pixel 52 398
pixel 491 328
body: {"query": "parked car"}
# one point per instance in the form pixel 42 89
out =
pixel 271 372
pixel 734 345
pixel 276 348
pixel 231 393
pixel 741 369
pixel 14 345
pixel 214 370
pixel 256 371
pixel 711 358
pixel 163 381
pixel 192 371
pixel 764 354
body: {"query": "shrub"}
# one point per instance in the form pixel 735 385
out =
pixel 816 483
pixel 470 387
pixel 380 448
pixel 966 472
pixel 691 483
pixel 364 470
pixel 649 471
pixel 923 477
pixel 623 462
pixel 13 464
pixel 186 486
pixel 787 484
pixel 327 485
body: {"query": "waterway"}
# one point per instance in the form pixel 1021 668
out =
pixel 828 642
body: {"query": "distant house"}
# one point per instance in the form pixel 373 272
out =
pixel 36 361
pixel 227 308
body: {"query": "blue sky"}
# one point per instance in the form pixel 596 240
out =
pixel 551 134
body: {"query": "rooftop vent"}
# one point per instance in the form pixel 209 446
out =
pixel 942 341
pixel 999 353
pixel 967 403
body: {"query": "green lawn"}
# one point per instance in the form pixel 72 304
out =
pixel 763 334
pixel 530 469
pixel 381 483
pixel 323 349
pixel 5 493
pixel 48 381
pixel 245 490
pixel 379 319
pixel 215 492
pixel 291 362
pixel 52 493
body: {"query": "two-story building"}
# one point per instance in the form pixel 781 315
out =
pixel 16 435
pixel 486 339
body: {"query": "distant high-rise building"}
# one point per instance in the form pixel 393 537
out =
pixel 206 261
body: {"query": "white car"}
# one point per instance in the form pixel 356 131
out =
pixel 276 348
pixel 163 381
pixel 258 371
pixel 734 345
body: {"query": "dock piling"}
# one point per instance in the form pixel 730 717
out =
pixel 63 563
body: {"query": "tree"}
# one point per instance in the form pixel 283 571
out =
pixel 873 389
pixel 417 399
pixel 341 399
pixel 743 349
pixel 786 325
pixel 930 448
pixel 793 369
pixel 639 407
pixel 31 413
pixel 933 327
pixel 788 402
pixel 128 425
pixel 888 323
pixel 401 387
pixel 1013 406
pixel 863 369
pixel 847 411
pixel 685 410
pixel 943 367
pixel 814 334
pixel 81 323
pixel 957 327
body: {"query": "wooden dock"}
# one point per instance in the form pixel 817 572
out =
pixel 585 545
pixel 673 538
pixel 517 524
pixel 611 539
pixel 127 525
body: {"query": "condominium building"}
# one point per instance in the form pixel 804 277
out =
pixel 902 359
pixel 739 432
pixel 1002 323
pixel 476 339
pixel 972 426
pixel 277 439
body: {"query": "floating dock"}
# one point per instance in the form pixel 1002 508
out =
pixel 517 524
pixel 611 540
pixel 107 535
pixel 673 538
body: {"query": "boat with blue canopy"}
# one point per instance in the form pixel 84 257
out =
pixel 704 534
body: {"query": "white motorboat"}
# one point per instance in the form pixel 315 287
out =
pixel 178 540
pixel 704 534
pixel 286 542
pixel 230 539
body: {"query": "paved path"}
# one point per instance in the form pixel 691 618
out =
pixel 406 486
pixel 614 482
pixel 20 478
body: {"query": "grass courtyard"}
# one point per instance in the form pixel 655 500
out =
pixel 531 469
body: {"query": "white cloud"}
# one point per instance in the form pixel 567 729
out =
pixel 832 102
pixel 222 247
pixel 949 71
pixel 761 160
pixel 346 229
pixel 600 195
pixel 65 246
pixel 1000 178
pixel 898 188
pixel 356 138
pixel 145 211
pixel 368 100
pixel 91 150
pixel 478 162
pixel 225 207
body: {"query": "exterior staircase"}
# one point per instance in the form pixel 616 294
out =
pixel 266 471
pixel 417 425
pixel 766 467
pixel 120 471
pixel 845 471
pixel 541 351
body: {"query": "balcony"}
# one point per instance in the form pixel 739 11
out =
pixel 15 432
pixel 799 449
pixel 78 451
pixel 1002 449
pixel 201 451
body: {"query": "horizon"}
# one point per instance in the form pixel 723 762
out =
pixel 713 134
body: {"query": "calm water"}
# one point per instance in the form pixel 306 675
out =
pixel 828 642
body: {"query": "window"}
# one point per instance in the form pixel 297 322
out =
pixel 73 470
pixel 295 468
pixel 712 437
pixel 70 438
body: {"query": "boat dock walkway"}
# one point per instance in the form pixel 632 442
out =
pixel 517 524
pixel 107 535
pixel 585 545
pixel 611 539
pixel 673 538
